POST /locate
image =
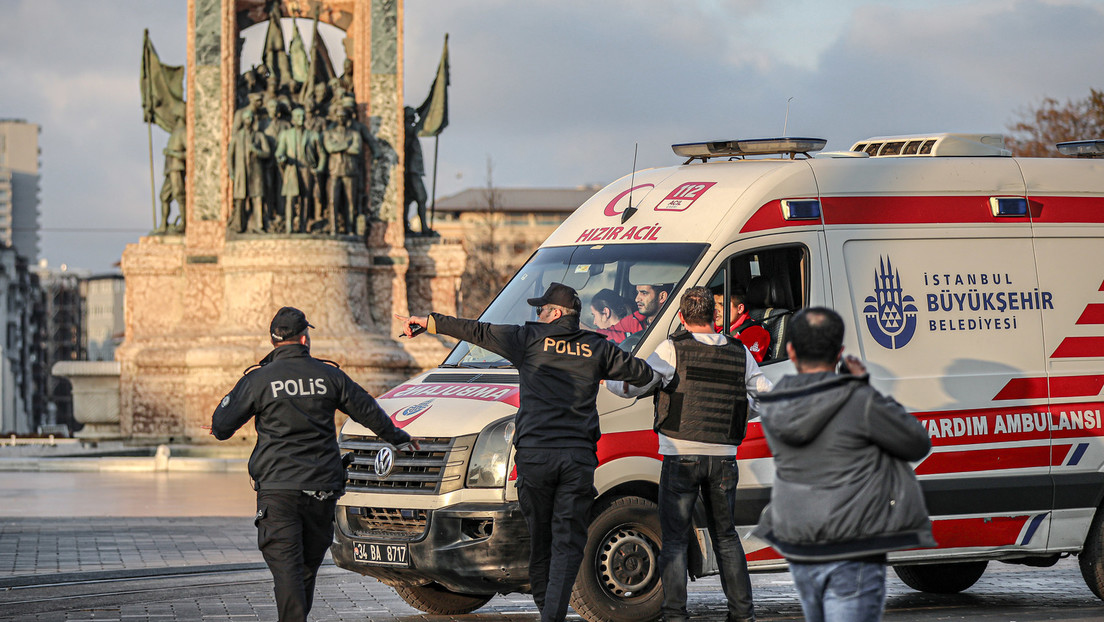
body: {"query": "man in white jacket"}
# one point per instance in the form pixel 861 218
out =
pixel 708 386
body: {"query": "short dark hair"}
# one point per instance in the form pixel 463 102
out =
pixel 816 334
pixel 738 296
pixel 696 306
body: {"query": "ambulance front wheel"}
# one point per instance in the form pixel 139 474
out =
pixel 1091 557
pixel 941 578
pixel 619 577
pixel 436 599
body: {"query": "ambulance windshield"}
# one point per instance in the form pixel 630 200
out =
pixel 623 287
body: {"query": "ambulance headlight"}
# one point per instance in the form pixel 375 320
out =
pixel 491 455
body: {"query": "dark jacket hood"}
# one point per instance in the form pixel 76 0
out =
pixel 799 406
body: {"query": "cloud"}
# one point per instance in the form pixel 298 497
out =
pixel 560 93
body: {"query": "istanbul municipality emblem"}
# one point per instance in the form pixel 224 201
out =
pixel 890 315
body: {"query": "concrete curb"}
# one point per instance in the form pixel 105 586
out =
pixel 38 580
pixel 125 464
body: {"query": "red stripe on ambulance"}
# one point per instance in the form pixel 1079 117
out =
pixel 1060 386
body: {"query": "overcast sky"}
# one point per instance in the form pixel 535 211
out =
pixel 557 93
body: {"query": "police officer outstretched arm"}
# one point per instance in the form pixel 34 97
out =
pixel 505 340
pixel 296 466
pixel 559 367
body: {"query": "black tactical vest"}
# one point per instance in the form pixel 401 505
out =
pixel 707 399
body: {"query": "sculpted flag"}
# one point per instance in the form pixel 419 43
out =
pixel 162 89
pixel 434 110
pixel 300 62
pixel 274 56
pixel 321 67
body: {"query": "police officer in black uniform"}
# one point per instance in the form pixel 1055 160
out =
pixel 296 466
pixel 560 366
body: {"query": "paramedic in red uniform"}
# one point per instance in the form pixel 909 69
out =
pixel 296 466
pixel 612 318
pixel 560 366
pixel 749 331
pixel 649 300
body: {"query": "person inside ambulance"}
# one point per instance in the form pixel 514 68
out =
pixel 749 331
pixel 612 316
pixel 649 300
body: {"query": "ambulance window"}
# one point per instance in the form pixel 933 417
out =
pixel 892 148
pixel 756 293
pixel 608 279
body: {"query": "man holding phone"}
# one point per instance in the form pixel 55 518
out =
pixel 844 494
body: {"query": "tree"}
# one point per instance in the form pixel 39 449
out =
pixel 485 272
pixel 1037 130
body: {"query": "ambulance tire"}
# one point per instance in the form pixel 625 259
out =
pixel 619 578
pixel 1091 557
pixel 434 599
pixel 941 578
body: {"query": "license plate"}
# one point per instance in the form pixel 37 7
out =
pixel 380 554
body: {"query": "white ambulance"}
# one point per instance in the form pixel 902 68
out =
pixel 972 284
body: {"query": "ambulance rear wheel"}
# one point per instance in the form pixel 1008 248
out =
pixel 1091 558
pixel 619 577
pixel 941 578
pixel 434 598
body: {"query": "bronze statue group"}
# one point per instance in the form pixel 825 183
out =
pixel 303 162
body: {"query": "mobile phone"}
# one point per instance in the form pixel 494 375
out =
pixel 416 330
pixel 842 367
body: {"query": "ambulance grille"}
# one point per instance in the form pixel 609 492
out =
pixel 438 467
pixel 390 523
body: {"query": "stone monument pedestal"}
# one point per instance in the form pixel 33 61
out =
pixel 196 322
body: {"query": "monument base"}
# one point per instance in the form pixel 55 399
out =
pixel 195 323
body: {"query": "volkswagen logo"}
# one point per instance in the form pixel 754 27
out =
pixel 385 461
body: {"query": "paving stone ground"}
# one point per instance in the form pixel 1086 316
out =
pixel 75 549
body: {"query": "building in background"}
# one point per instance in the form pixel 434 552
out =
pixel 22 370
pixel 60 335
pixel 500 228
pixel 24 406
pixel 102 322
pixel 19 176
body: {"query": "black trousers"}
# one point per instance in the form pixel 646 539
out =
pixel 294 531
pixel 555 492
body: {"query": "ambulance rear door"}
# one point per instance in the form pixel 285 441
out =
pixel 1066 201
pixel 929 281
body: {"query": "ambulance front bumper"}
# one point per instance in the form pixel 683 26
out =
pixel 472 548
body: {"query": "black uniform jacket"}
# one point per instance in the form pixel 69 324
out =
pixel 292 397
pixel 560 366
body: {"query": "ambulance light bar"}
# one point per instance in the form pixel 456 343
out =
pixel 801 209
pixel 748 147
pixel 1082 148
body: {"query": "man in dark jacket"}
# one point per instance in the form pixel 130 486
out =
pixel 560 366
pixel 296 465
pixel 844 494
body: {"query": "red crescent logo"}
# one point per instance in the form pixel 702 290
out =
pixel 610 207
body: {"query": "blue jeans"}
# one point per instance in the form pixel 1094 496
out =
pixel 840 591
pixel 682 479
